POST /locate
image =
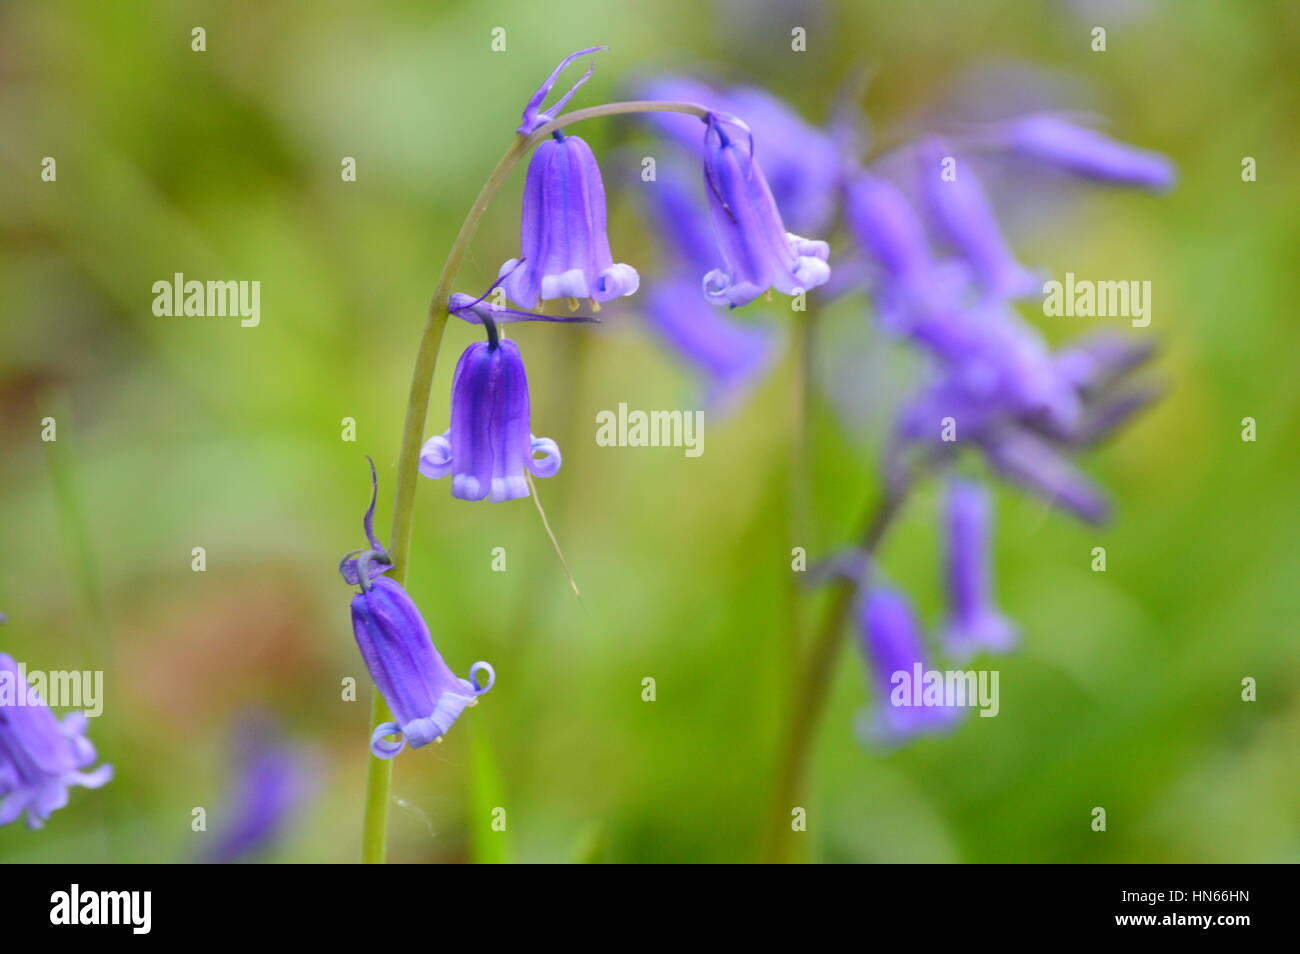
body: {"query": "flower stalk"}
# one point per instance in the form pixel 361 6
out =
pixel 811 689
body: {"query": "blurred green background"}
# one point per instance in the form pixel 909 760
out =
pixel 177 433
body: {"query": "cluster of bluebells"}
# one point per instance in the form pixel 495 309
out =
pixel 992 385
pixel 938 270
pixel 941 275
pixel 729 249
pixel 41 756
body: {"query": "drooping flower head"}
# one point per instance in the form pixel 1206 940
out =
pixel 489 448
pixel 41 757
pixel 728 356
pixel 887 227
pixel 564 246
pixel 757 252
pixel 801 163
pixel 959 207
pixel 890 638
pixel 974 623
pixel 271 781
pixel 1080 151
pixel 424 695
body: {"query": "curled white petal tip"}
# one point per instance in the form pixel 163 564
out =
pixel 380 746
pixel 811 272
pixel 478 667
pixel 814 248
pixel 548 465
pixel 435 456
pixel 617 281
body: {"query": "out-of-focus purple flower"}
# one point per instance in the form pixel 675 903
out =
pixel 41 757
pixel 564 246
pixel 681 216
pixel 534 118
pixel 271 781
pixel 974 623
pixel 887 227
pixel 1096 368
pixel 1109 412
pixel 425 696
pixel 891 642
pixel 727 354
pixel 1035 464
pixel 1101 359
pixel 958 205
pixel 757 252
pixel 993 363
pixel 489 445
pixel 802 163
pixel 997 388
pixel 1081 151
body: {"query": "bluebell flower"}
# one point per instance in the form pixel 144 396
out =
pixel 534 117
pixel 1009 441
pixel 489 447
pixel 680 214
pixel 1078 150
pixel 801 162
pixel 993 383
pixel 564 246
pixel 757 252
pixel 887 227
pixel 974 623
pixel 1041 467
pixel 729 356
pixel 991 362
pixel 41 757
pixel 1099 360
pixel 424 695
pixel 890 638
pixel 271 782
pixel 961 210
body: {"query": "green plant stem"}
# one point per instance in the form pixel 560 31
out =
pixel 379 775
pixel 66 482
pixel 814 681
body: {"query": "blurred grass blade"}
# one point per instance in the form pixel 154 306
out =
pixel 488 846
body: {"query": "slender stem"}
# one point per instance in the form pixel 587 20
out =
pixel 66 482
pixel 811 691
pixel 801 473
pixel 380 772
